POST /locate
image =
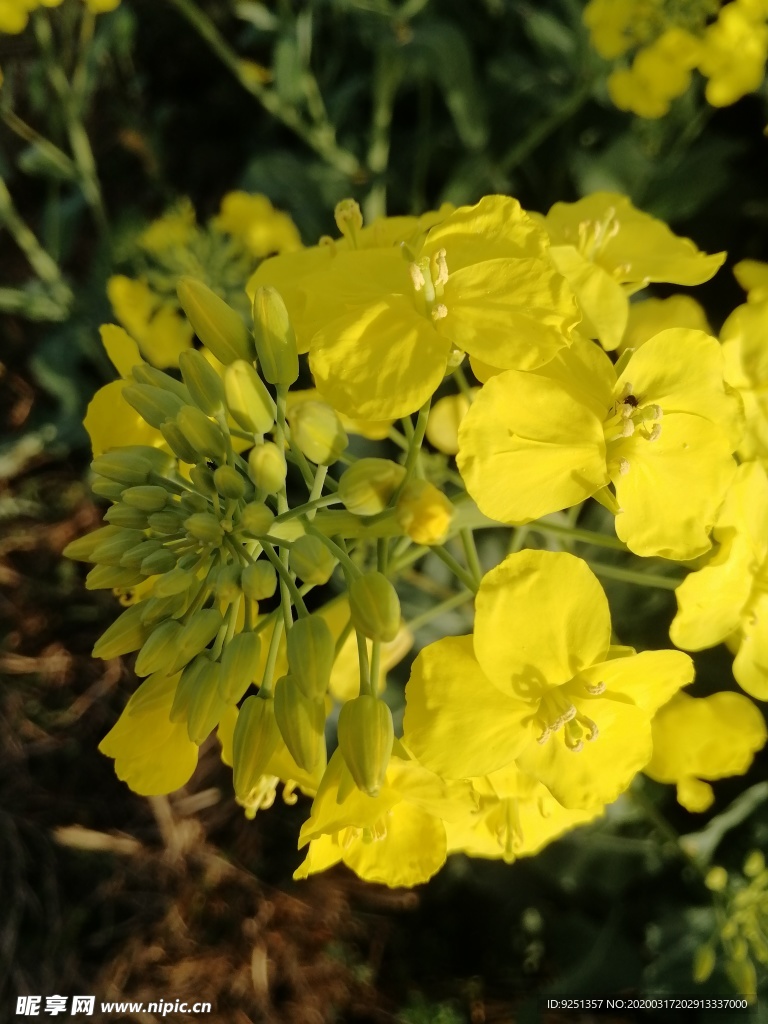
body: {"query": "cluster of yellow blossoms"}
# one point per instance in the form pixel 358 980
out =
pixel 668 40
pixel 14 14
pixel 274 619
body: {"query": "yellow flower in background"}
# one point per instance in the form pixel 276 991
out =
pixel 661 433
pixel 396 838
pixel 734 52
pixel 704 738
pixel 152 754
pixel 727 599
pixel 608 250
pixel 517 817
pixel 659 74
pixel 161 332
pixel 616 26
pixel 222 254
pixel 648 317
pixel 381 323
pixel 109 420
pixel 14 14
pixel 539 686
pixel 259 226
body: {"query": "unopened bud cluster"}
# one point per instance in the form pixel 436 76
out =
pixel 199 533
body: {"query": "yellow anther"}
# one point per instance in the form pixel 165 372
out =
pixel 439 311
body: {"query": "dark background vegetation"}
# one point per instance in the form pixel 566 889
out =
pixel 102 891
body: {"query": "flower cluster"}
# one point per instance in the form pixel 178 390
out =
pixel 666 41
pixel 259 610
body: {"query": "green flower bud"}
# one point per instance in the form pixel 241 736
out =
pixel 127 633
pixel 256 519
pixel 367 487
pixel 178 444
pixel 159 562
pixel 316 431
pixel 205 706
pixel 203 383
pixel 168 523
pixel 82 549
pixel 197 632
pixel 187 687
pixel 239 663
pixel 133 464
pixel 143 373
pixel 147 497
pixel 301 721
pixel 174 582
pixel 216 324
pixel 191 502
pixel 159 651
pixel 366 736
pixel 155 405
pixel 374 606
pixel 311 653
pixel 229 483
pixel 204 436
pixel 134 556
pixel 255 740
pixel 155 609
pixel 202 477
pixel 267 467
pixel 111 550
pixel 259 581
pixel 109 489
pixel 250 404
pixel 205 527
pixel 275 341
pixel 311 560
pixel 124 516
pixel 227 583
pixel 107 577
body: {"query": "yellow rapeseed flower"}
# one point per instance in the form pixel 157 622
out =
pixel 727 599
pixel 648 317
pixel 539 685
pixel 381 324
pixel 662 432
pixel 734 52
pixel 608 250
pixel 396 838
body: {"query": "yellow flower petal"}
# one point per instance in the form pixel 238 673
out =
pixel 602 300
pixel 542 617
pixel 152 754
pixel 530 446
pixel 379 363
pixel 112 423
pixel 121 348
pixel 457 722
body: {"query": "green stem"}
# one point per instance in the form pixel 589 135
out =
pixel 463 384
pixel 338 552
pixel 285 578
pixel 308 508
pixel 458 570
pixel 55 156
pixel 320 137
pixel 274 647
pixel 471 555
pixel 44 266
pixel 78 137
pixel 366 686
pixel 316 491
pixel 641 579
pixel 600 540
pixel 454 601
